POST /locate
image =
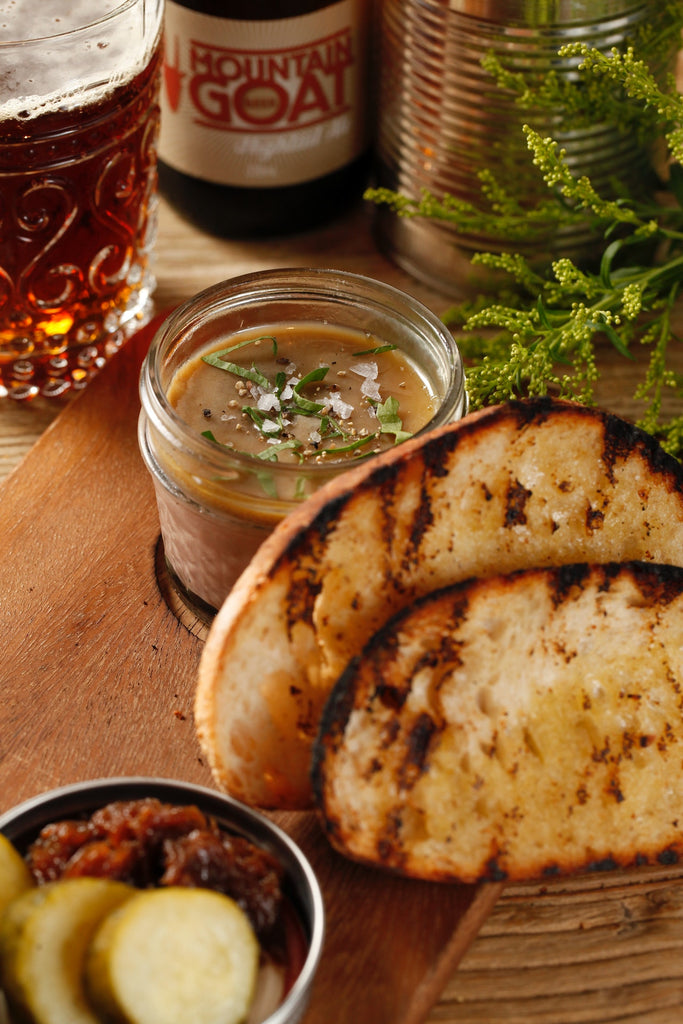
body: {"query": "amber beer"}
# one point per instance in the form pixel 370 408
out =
pixel 77 190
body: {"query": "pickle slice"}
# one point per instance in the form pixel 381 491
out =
pixel 44 934
pixel 15 876
pixel 174 955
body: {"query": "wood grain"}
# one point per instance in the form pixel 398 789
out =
pixel 80 681
pixel 605 949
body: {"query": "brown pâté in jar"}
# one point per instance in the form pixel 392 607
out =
pixel 262 389
pixel 303 392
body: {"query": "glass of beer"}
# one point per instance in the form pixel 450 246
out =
pixel 79 116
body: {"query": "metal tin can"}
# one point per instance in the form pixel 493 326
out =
pixel 443 118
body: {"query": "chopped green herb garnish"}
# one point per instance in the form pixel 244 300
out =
pixel 273 418
pixel 311 378
pixel 389 420
pixel 352 446
pixel 267 483
pixel 270 453
pixel 375 351
pixel 253 375
pixel 213 356
pixel 329 427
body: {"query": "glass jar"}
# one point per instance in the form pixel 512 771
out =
pixel 216 505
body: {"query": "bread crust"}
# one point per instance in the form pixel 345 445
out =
pixel 514 727
pixel 531 483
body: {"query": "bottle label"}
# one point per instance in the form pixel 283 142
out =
pixel 265 103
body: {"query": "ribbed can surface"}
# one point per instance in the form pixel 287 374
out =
pixel 443 118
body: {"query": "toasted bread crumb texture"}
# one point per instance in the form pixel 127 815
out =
pixel 535 483
pixel 512 727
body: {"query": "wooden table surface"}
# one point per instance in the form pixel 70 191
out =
pixel 585 951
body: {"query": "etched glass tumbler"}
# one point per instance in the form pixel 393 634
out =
pixel 78 126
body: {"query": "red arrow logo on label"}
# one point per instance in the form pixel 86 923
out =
pixel 173 77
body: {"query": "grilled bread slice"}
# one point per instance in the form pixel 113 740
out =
pixel 526 484
pixel 513 727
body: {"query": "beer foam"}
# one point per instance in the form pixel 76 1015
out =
pixel 26 19
pixel 55 55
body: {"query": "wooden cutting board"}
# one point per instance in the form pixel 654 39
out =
pixel 97 677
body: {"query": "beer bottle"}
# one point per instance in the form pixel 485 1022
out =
pixel 266 112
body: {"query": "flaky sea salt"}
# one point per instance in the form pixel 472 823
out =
pixel 370 389
pixel 268 402
pixel 365 369
pixel 338 406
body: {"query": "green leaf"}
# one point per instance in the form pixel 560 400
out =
pixel 375 351
pixel 253 375
pixel 255 415
pixel 359 442
pixel 616 339
pixel 270 454
pixel 241 344
pixel 267 483
pixel 302 405
pixel 330 428
pixel 607 259
pixel 542 312
pixel 389 420
pixel 319 373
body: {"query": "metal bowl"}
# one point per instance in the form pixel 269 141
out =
pixel 22 824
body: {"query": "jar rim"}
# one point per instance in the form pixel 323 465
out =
pixel 288 284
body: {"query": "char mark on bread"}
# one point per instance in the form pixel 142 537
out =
pixel 546 737
pixel 529 484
